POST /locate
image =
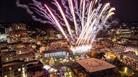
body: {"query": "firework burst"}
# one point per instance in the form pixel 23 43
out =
pixel 78 20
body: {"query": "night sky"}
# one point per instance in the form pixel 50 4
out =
pixel 126 11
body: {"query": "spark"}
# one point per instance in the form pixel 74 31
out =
pixel 73 14
pixel 58 24
pixel 65 20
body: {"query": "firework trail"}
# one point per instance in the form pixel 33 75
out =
pixel 85 17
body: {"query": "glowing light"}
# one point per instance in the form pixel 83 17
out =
pixel 81 49
pixel 5 76
pixel 19 69
pixel 23 72
pixel 42 49
pixel 110 56
pixel 136 52
pixel 39 43
pixel 47 67
pixel 34 46
pixel 125 70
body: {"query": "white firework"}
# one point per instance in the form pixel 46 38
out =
pixel 78 20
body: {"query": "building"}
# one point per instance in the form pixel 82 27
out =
pixel 16 51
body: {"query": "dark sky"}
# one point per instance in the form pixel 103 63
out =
pixel 126 10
